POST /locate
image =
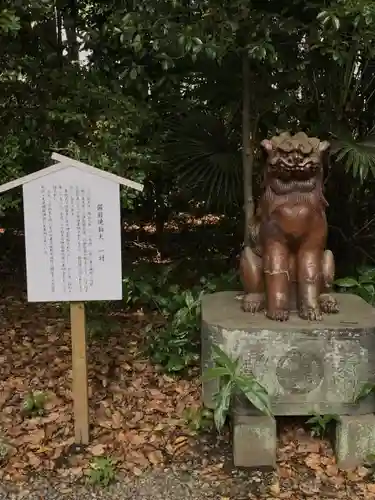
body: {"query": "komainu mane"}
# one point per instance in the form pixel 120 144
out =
pixel 286 266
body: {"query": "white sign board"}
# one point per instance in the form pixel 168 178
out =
pixel 73 237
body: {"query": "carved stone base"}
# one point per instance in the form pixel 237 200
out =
pixel 305 366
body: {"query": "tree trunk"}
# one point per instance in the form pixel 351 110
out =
pixel 247 149
pixel 59 26
pixel 70 13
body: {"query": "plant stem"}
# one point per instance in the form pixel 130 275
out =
pixel 247 149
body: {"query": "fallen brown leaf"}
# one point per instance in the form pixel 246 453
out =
pixel 138 458
pixel 34 460
pixel 309 446
pixel 310 487
pixel 362 472
pixel 274 489
pixel 136 414
pixel 313 461
pixel 155 457
pixel 285 472
pixel 35 437
pixel 97 450
pixel 117 420
pixel 332 470
pixel 136 471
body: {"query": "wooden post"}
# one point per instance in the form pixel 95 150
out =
pixel 79 372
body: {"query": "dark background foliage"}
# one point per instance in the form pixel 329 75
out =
pixel 172 93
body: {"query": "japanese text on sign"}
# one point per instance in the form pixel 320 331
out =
pixel 73 241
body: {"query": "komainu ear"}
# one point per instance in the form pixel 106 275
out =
pixel 267 145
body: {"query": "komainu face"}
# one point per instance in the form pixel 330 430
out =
pixel 294 157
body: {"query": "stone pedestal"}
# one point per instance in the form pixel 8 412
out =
pixel 355 440
pixel 254 441
pixel 306 367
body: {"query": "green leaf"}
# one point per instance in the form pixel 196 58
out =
pixel 255 393
pixel 370 288
pixel 365 391
pixel 364 294
pixel 222 400
pixel 189 299
pixel 322 14
pixel 133 73
pixel 367 274
pixel 203 151
pixel 207 413
pixel 331 417
pixel 346 282
pixel 175 363
pixel 314 420
pixel 359 156
pixel 214 373
pixel 223 360
pixel 365 281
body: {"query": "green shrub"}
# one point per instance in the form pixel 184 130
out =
pixel 174 344
pixel 363 285
pixel 233 383
pixel 101 472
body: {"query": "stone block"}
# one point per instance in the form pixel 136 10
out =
pixel 355 440
pixel 254 441
pixel 305 366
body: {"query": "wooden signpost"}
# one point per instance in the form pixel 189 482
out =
pixel 73 251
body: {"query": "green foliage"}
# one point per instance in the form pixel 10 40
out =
pixel 203 149
pixel 102 325
pixel 9 21
pixel 155 289
pixel 146 286
pixel 101 472
pixel 365 391
pixel 233 382
pixel 175 343
pixel 159 97
pixel 357 17
pixel 198 419
pixel 173 335
pixel 370 464
pixel 34 403
pixel 363 285
pixel 358 157
pixel 320 423
pixel 219 282
pixel 4 450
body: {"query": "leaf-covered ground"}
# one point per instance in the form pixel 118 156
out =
pixel 137 417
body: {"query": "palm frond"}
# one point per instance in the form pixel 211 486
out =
pixel 204 152
pixel 357 156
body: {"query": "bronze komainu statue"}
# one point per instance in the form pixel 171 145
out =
pixel 286 266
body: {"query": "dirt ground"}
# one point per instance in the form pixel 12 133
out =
pixel 137 419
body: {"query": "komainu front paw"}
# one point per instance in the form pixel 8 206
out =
pixel 310 313
pixel 278 314
pixel 253 302
pixel 328 304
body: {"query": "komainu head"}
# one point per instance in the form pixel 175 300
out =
pixel 294 157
